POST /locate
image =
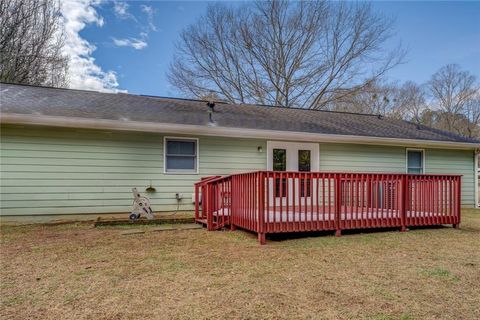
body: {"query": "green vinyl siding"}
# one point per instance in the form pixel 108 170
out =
pixel 65 171
pixel 368 158
pixel 454 162
pixel 361 158
pixel 53 171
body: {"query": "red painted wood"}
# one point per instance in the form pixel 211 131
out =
pixel 335 201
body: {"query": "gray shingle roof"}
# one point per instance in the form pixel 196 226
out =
pixel 23 99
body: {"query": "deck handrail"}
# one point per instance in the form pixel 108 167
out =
pixel 349 172
pixel 272 201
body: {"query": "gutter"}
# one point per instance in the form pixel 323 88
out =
pixel 205 130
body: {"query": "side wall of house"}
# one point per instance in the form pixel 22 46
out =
pixel 59 171
pixel 64 171
pixel 367 158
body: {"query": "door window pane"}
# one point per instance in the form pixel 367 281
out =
pixel 305 187
pixel 304 160
pixel 280 187
pixel 279 160
pixel 414 161
pixel 280 164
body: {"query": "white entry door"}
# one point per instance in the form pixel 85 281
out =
pixel 291 156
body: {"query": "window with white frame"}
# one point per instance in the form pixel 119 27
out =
pixel 181 155
pixel 415 161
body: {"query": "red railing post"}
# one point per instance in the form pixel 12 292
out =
pixel 458 199
pixel 197 213
pixel 404 203
pixel 338 205
pixel 261 207
pixel 233 203
pixel 208 206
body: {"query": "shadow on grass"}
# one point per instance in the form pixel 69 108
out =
pixel 279 237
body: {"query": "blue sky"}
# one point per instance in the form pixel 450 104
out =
pixel 134 41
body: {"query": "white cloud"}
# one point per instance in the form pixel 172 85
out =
pixel 84 73
pixel 121 10
pixel 135 43
pixel 149 11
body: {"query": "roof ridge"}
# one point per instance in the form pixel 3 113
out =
pixel 50 87
pixel 192 99
pixel 307 109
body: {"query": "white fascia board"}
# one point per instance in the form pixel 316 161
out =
pixel 205 130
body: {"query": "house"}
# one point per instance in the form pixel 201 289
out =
pixel 74 152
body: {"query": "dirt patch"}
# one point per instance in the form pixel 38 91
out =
pixel 82 272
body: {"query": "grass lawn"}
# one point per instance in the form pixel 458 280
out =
pixel 81 272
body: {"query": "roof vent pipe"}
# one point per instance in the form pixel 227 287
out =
pixel 211 110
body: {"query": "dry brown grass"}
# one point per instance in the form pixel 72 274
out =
pixel 81 272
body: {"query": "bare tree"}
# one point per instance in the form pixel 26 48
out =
pixel 304 54
pixel 472 113
pixel 376 97
pixel 455 92
pixel 31 40
pixel 411 102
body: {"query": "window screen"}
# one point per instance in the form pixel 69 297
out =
pixel 414 161
pixel 181 155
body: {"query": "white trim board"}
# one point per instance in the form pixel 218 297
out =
pixel 170 128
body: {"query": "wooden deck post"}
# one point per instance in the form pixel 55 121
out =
pixel 233 204
pixel 261 238
pixel 404 203
pixel 197 211
pixel 458 180
pixel 208 206
pixel 261 207
pixel 338 205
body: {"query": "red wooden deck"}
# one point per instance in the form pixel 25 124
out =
pixel 271 202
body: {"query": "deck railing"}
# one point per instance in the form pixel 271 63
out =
pixel 271 202
pixel 214 196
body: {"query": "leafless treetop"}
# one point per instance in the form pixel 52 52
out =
pixel 304 54
pixel 31 39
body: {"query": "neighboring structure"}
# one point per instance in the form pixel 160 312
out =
pixel 80 152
